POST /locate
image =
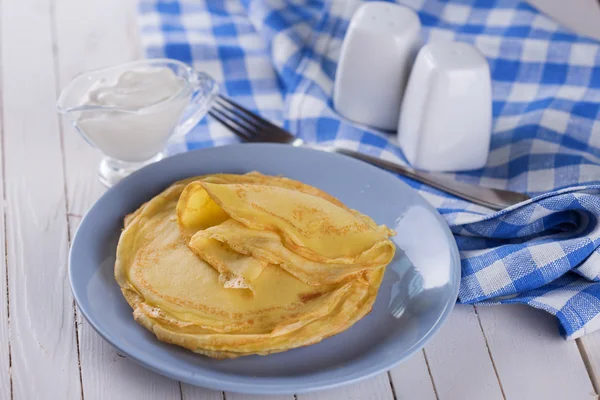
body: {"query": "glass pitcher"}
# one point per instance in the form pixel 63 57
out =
pixel 133 136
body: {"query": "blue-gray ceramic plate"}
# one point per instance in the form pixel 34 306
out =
pixel 417 294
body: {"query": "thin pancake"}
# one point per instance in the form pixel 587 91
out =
pixel 273 222
pixel 187 257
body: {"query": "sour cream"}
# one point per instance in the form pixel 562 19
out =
pixel 131 118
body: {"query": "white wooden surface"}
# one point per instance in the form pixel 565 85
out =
pixel 42 340
pixel 48 352
pixel 581 16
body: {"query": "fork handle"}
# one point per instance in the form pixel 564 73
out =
pixel 496 199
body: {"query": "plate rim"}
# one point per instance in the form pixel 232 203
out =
pixel 260 387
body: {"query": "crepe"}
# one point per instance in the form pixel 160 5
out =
pixel 230 265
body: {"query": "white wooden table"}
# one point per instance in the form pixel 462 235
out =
pixel 47 351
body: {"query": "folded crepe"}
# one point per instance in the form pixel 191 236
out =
pixel 229 265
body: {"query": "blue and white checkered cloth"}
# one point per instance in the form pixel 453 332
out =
pixel 279 58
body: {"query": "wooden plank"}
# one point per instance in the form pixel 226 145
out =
pixel 197 393
pixel 459 360
pixel 527 349
pixel 5 373
pixel 84 43
pixel 189 392
pixel 377 388
pixel 589 347
pixel 238 396
pixel 412 380
pixel 43 343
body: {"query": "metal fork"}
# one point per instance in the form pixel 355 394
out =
pixel 252 128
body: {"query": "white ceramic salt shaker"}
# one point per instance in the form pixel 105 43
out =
pixel 375 60
pixel 446 116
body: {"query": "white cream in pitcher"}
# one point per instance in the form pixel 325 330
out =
pixel 141 121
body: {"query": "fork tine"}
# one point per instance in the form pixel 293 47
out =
pixel 250 114
pixel 222 118
pixel 232 116
pixel 251 121
pixel 255 128
pixel 252 132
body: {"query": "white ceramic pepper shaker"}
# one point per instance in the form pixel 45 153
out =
pixel 375 61
pixel 446 116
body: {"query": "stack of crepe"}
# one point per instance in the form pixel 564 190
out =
pixel 230 265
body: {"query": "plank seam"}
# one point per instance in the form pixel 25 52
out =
pixel 437 396
pixel 6 271
pixel 53 33
pixel 487 346
pixel 180 390
pixel 2 147
pixel 392 385
pixel 589 367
